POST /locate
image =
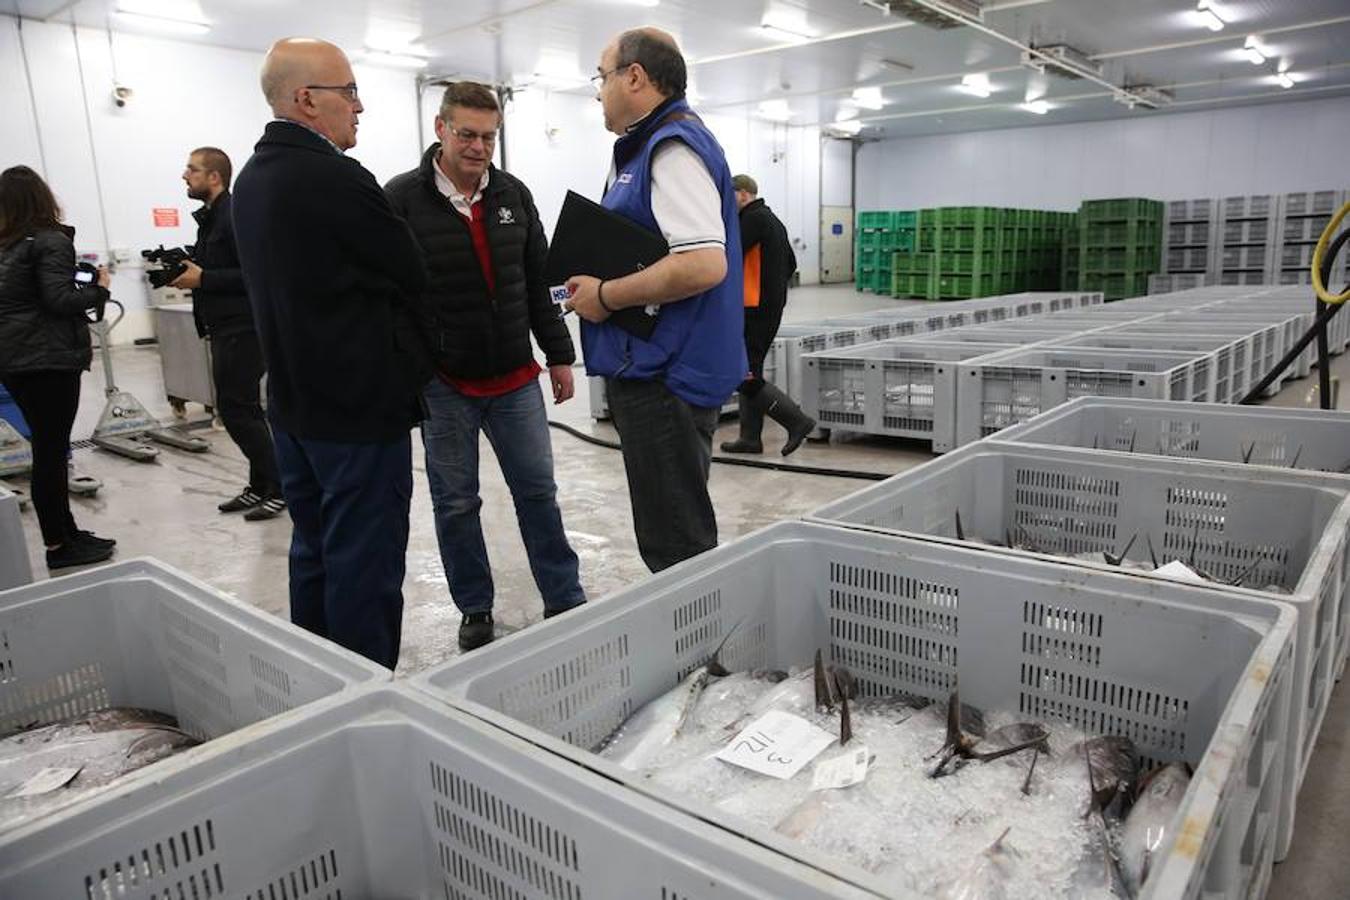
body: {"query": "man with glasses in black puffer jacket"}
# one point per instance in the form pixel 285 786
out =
pixel 486 294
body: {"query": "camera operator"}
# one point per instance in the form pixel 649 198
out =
pixel 221 309
pixel 44 346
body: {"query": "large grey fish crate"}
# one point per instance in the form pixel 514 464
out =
pixel 898 388
pixel 15 568
pixel 1171 283
pixel 1231 354
pixel 1289 325
pixel 1158 662
pixel 1266 344
pixel 1283 528
pixel 139 633
pixel 1011 387
pixel 389 793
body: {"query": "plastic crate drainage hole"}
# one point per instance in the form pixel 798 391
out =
pixel 165 859
pixel 495 850
pixel 311 879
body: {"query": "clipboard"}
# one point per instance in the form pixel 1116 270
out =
pixel 592 240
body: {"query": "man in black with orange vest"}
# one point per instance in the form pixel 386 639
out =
pixel 769 264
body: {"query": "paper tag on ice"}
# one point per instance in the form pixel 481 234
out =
pixel 48 779
pixel 841 771
pixel 1178 570
pixel 559 294
pixel 776 744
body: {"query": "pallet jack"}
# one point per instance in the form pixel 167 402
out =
pixel 1328 305
pixel 126 426
pixel 16 459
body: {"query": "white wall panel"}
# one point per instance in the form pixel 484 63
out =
pixel 1273 148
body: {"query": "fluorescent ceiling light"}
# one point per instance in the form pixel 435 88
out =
pixel 395 60
pixel 161 23
pixel 976 84
pixel 1255 53
pixel 1284 80
pixel 787 27
pixel 846 126
pixel 1039 107
pixel 1207 16
pixel 777 110
pixel 647 3
pixel 868 98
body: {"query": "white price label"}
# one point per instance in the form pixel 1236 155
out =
pixel 48 779
pixel 841 771
pixel 776 744
pixel 559 294
pixel 1180 571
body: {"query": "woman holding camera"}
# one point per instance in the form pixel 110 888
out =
pixel 44 346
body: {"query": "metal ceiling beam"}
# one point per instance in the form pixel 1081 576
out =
pixel 1238 34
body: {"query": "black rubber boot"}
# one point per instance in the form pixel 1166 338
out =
pixel 780 407
pixel 751 419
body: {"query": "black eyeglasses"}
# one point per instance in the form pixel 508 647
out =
pixel 599 80
pixel 348 91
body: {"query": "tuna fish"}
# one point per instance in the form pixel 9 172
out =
pixel 988 877
pixel 1152 821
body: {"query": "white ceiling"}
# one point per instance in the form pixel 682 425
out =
pixel 736 63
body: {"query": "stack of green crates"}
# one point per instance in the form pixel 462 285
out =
pixel 880 234
pixel 1119 245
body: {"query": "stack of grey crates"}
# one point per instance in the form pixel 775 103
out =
pixel 1246 241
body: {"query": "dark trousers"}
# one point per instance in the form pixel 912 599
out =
pixel 48 400
pixel 349 507
pixel 667 452
pixel 237 368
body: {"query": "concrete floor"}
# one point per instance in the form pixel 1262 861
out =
pixel 166 510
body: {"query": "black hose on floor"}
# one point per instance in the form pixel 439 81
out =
pixel 747 463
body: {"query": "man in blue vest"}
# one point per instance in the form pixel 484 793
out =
pixel 670 176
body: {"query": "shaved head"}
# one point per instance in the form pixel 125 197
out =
pixel 310 81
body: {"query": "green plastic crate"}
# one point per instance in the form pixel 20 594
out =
pixel 1122 209
pixel 969 216
pixel 920 263
pixel 928 218
pixel 1122 259
pixel 1114 285
pixel 1122 234
pixel 954 287
pixel 964 238
pixel 955 262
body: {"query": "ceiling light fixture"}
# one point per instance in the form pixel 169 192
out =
pixel 390 58
pixel 775 110
pixel 1284 80
pixel 1039 107
pixel 846 126
pixel 976 84
pixel 1206 14
pixel 1255 53
pixel 161 23
pixel 867 98
pixel 787 34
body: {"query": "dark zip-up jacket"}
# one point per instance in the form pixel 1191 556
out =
pixel 220 306
pixel 474 332
pixel 776 261
pixel 332 274
pixel 42 309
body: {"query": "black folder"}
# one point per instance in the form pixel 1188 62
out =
pixel 592 240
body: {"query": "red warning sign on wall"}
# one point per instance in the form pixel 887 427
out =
pixel 165 217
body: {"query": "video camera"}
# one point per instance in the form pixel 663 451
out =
pixel 171 259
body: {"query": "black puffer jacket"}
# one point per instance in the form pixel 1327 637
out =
pixel 42 309
pixel 471 332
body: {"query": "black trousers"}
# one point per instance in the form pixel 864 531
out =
pixel 237 368
pixel 48 400
pixel 667 452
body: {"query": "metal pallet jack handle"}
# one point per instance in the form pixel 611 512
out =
pixel 1328 305
pixel 126 425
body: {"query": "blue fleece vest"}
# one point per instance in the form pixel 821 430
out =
pixel 698 346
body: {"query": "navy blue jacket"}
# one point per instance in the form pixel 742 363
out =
pixel 332 273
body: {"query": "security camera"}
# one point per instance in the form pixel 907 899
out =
pixel 121 95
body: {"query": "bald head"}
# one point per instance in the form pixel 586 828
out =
pixel 310 81
pixel 656 51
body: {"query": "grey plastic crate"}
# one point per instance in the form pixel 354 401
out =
pixel 1231 354
pixel 1288 327
pixel 1186 260
pixel 15 568
pixel 389 793
pixel 140 633
pixel 1200 210
pixel 898 388
pixel 1305 229
pixel 998 391
pixel 1243 278
pixel 1312 203
pixel 1070 501
pixel 901 613
pixel 1246 232
pixel 1194 235
pixel 998 333
pixel 1244 258
pixel 1250 207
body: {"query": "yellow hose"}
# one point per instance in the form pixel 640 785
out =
pixel 1319 252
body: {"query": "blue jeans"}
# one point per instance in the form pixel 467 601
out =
pixel 349 506
pixel 517 427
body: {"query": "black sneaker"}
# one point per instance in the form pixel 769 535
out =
pixel 93 540
pixel 246 500
pixel 268 509
pixel 75 553
pixel 475 631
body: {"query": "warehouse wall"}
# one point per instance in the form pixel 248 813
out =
pixel 1273 148
pixel 186 95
